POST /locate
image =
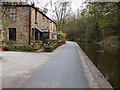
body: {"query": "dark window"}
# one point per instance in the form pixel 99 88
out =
pixel 43 21
pixel 36 35
pixel 12 34
pixel 33 34
pixel 45 36
pixel 41 35
pixel 12 14
pixel 35 16
pixel 48 24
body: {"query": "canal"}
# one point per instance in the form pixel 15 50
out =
pixel 105 59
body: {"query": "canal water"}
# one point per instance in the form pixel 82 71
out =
pixel 105 58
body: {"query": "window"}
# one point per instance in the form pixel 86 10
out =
pixel 43 21
pixel 35 16
pixel 36 35
pixel 43 24
pixel 12 34
pixel 39 36
pixel 45 36
pixel 12 14
pixel 33 34
pixel 48 24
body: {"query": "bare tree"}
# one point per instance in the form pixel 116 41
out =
pixel 61 13
pixel 58 10
pixel 41 4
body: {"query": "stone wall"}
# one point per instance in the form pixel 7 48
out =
pixel 21 24
pixel 32 22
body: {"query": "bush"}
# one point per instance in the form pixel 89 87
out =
pixel 51 45
pixel 20 48
pixel 37 47
pixel 24 43
pixel 48 46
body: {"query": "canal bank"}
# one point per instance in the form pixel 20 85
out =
pixel 105 58
pixel 95 77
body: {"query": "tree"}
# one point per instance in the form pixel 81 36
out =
pixel 96 22
pixel 104 16
pixel 61 13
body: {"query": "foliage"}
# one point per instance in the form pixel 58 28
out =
pixel 63 35
pixel 61 13
pixel 37 47
pixel 94 23
pixel 24 43
pixel 24 47
pixel 27 48
pixel 51 45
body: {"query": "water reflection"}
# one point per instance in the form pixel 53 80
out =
pixel 106 60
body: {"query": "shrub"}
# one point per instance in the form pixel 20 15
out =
pixel 37 47
pixel 24 43
pixel 20 48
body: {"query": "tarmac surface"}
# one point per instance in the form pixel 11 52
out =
pixel 64 70
pixel 66 67
pixel 18 66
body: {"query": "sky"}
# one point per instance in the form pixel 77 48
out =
pixel 75 4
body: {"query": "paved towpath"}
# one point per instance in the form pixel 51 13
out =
pixel 64 70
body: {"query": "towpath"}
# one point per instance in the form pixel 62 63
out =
pixel 64 70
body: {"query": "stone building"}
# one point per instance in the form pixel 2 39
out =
pixel 26 23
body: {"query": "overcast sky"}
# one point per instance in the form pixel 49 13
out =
pixel 75 4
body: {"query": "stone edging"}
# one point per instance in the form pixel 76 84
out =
pixel 95 77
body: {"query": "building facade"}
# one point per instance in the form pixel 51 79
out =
pixel 26 23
